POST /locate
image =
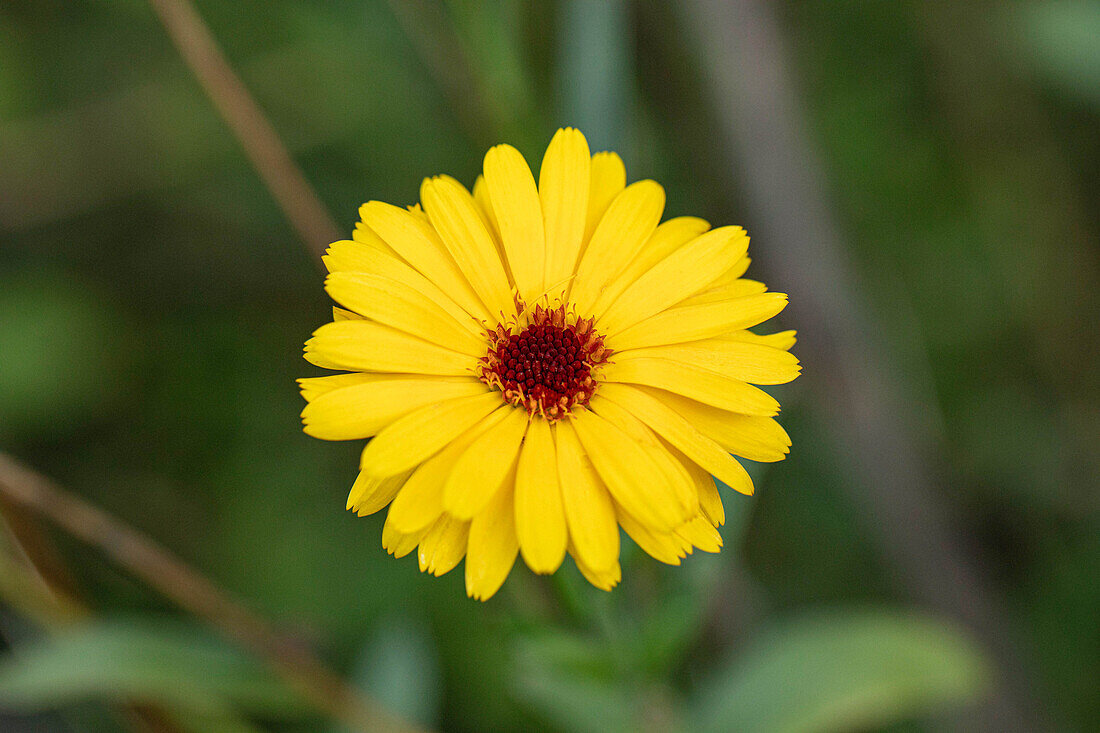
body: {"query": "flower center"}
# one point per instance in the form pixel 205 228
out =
pixel 545 365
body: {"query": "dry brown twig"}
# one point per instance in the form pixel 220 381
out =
pixel 261 143
pixel 193 592
pixel 36 584
pixel 761 126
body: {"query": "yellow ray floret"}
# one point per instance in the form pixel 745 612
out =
pixel 540 514
pixel 539 364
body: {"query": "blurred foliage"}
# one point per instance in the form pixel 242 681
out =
pixel 857 670
pixel 153 304
pixel 399 668
pixel 183 669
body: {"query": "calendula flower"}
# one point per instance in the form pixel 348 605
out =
pixel 538 364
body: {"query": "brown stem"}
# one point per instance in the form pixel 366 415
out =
pixel 424 24
pixel 193 592
pixel 30 545
pixel 763 131
pixel 27 590
pixel 292 192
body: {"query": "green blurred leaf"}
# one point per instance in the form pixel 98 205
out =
pixel 571 654
pixel 14 96
pixel 582 683
pixel 576 703
pixel 666 634
pixel 573 681
pixel 224 721
pixel 489 35
pixel 842 671
pixel 1059 39
pixel 596 71
pixel 739 509
pixel 400 669
pixel 62 351
pixel 180 667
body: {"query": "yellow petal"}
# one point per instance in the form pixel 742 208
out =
pixel 485 208
pixel 782 340
pixel 736 289
pixel 365 346
pixel 564 197
pixel 343 314
pixel 747 362
pixel 454 215
pixel 666 239
pixel 667 423
pixel 749 436
pixel 443 546
pixel 396 304
pixel 317 359
pixel 694 322
pixel 482 468
pixel 676 277
pixel 673 475
pixel 420 501
pixel 662 546
pixel 367 237
pixel 540 516
pixel 603 579
pixel 628 471
pixel 400 544
pixel 701 534
pixel 629 221
pixel 589 513
pixel 700 384
pixel 489 217
pixel 493 544
pixel 519 214
pixel 731 275
pixel 362 410
pixel 416 242
pixel 424 432
pixel 354 257
pixel 369 494
pixel 710 503
pixel 607 178
pixel 314 387
pixel 734 272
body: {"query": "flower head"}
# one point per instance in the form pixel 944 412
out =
pixel 538 364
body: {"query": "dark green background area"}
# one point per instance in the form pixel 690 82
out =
pixel 154 302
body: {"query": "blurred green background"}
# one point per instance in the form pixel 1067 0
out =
pixel 154 300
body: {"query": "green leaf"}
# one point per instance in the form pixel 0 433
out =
pixel 1059 40
pixel 576 703
pixel 572 680
pixel 400 668
pixel 596 71
pixel 62 355
pixel 574 655
pixel 181 667
pixel 223 721
pixel 490 37
pixel 842 671
pixel 665 635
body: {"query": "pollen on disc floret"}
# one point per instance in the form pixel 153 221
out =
pixel 545 362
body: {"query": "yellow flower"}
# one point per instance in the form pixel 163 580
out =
pixel 540 364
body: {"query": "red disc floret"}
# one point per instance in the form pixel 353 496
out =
pixel 545 366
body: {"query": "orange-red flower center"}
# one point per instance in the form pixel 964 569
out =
pixel 545 366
